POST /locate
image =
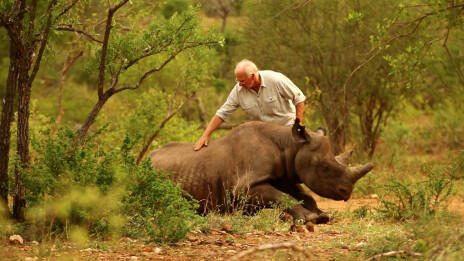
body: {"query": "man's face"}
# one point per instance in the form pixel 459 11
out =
pixel 244 80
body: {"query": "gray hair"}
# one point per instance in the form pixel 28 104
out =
pixel 248 66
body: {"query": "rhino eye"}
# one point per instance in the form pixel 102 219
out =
pixel 325 167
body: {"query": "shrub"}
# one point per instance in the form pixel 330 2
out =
pixel 153 204
pixel 93 191
pixel 411 200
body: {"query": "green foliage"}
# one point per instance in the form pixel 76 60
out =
pixel 153 204
pixel 6 5
pixel 57 165
pixel 439 238
pixel 448 124
pixel 174 6
pixel 411 200
pixel 91 191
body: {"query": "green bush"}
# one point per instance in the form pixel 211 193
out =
pixel 411 200
pixel 439 238
pixel 157 207
pixel 92 191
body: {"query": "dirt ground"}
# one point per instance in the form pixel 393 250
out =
pixel 219 244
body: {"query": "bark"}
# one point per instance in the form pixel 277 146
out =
pixel 337 126
pixel 92 116
pixel 24 97
pixel 7 118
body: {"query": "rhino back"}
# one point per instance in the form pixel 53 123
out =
pixel 235 161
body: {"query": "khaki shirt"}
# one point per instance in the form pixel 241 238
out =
pixel 274 102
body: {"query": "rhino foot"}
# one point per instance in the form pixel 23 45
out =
pixel 301 214
pixel 323 218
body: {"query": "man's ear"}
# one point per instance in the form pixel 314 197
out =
pixel 299 132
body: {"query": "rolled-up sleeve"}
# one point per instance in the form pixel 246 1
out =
pixel 229 106
pixel 290 91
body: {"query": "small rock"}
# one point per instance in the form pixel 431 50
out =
pixel 133 258
pixel 226 226
pixel 309 226
pixel 35 243
pixel 31 259
pixel 360 244
pixel 16 240
pixel 297 228
pixel 191 238
pixel 374 196
pixel 285 217
pixel 157 250
pixel 148 249
pixel 128 240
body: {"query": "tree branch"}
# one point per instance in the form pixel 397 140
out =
pixel 101 68
pixel 67 65
pixel 453 61
pixel 71 29
pixel 292 7
pixel 163 123
pixel 291 245
pixel 43 42
pixel 395 253
pixel 161 49
pixel 169 59
pixel 66 9
pixel 32 12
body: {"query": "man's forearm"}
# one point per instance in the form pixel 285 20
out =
pixel 299 111
pixel 212 125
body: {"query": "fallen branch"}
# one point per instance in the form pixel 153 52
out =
pixel 291 245
pixel 394 253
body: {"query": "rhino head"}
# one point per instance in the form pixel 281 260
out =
pixel 318 168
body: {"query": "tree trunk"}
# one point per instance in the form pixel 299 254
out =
pixel 337 128
pixel 337 137
pixel 7 118
pixel 24 97
pixel 82 132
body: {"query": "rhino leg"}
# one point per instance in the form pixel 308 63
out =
pixel 310 204
pixel 266 194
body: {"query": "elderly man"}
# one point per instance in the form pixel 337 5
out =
pixel 265 95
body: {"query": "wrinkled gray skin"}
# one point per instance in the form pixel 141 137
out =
pixel 265 161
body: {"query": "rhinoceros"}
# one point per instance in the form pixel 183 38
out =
pixel 266 161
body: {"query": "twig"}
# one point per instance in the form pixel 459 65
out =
pixel 163 123
pixel 72 29
pixel 453 61
pixel 293 7
pixel 66 9
pixel 394 253
pixel 291 245
pixel 68 64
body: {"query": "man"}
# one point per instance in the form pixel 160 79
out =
pixel 265 95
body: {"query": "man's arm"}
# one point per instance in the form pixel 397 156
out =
pixel 204 139
pixel 300 111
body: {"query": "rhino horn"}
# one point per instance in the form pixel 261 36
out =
pixel 359 171
pixel 344 158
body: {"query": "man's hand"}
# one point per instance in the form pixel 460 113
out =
pixel 203 141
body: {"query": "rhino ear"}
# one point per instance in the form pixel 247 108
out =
pixel 299 132
pixel 321 131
